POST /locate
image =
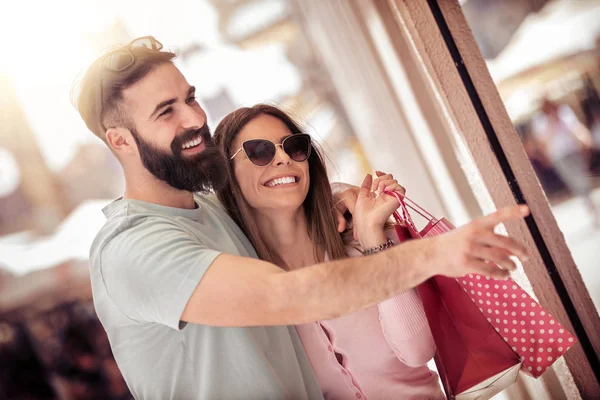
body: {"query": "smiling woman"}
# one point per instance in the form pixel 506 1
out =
pixel 266 146
pixel 279 165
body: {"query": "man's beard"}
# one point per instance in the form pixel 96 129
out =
pixel 200 173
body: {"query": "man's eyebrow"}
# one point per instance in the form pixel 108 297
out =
pixel 168 102
pixel 161 105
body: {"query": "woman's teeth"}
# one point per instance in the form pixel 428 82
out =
pixel 281 181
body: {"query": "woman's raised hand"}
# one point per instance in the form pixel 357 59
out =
pixel 373 209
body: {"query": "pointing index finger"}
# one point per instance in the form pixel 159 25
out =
pixel 504 215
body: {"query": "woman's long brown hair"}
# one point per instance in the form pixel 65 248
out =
pixel 319 206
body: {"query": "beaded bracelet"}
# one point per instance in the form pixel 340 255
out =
pixel 379 248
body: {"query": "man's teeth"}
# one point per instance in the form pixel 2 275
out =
pixel 281 181
pixel 192 143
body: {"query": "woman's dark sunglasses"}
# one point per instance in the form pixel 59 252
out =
pixel 262 152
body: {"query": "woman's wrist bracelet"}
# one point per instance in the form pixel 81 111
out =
pixel 381 247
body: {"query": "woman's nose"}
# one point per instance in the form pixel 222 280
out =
pixel 281 157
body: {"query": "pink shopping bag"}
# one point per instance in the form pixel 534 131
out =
pixel 469 308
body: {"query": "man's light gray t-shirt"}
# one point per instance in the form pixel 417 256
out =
pixel 145 264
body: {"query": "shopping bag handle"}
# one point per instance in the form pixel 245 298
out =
pixel 402 198
pixel 405 218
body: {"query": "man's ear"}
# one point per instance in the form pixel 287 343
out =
pixel 120 140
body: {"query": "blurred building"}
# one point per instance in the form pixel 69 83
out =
pixel 29 195
pixel 92 173
pixel 541 60
pixel 251 24
pixel 495 22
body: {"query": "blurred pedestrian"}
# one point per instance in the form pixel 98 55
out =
pixel 566 144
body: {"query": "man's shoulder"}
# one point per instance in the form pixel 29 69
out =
pixel 128 224
pixel 128 216
pixel 135 229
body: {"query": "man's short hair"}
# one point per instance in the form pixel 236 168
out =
pixel 101 84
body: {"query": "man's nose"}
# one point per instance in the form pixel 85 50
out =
pixel 192 118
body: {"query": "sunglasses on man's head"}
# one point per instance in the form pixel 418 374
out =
pixel 119 60
pixel 262 152
pixel 122 58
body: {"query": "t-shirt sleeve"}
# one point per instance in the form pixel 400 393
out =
pixel 567 115
pixel 151 269
pixel 539 127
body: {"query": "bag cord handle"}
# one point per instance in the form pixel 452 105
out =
pixel 405 218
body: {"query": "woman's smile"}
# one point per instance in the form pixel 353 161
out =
pixel 282 181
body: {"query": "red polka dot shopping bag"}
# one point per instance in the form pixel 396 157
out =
pixel 485 330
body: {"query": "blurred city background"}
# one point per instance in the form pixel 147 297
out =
pixel 55 176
